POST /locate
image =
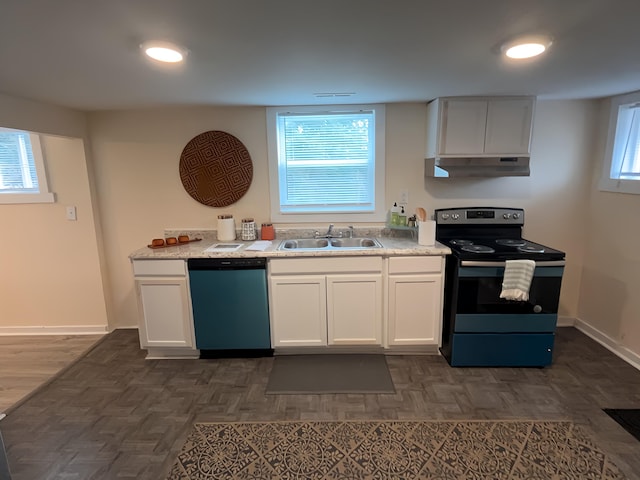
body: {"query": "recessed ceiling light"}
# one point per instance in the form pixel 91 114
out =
pixel 526 47
pixel 164 51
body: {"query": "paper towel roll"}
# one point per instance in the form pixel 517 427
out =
pixel 226 229
pixel 427 232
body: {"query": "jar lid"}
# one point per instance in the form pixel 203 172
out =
pixel 247 220
pixel 266 224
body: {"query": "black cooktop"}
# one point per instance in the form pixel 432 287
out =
pixel 499 249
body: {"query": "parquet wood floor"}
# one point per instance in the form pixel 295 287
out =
pixel 114 414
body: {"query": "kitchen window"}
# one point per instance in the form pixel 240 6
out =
pixel 621 171
pixel 22 173
pixel 326 162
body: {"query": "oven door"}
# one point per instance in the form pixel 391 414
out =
pixel 479 308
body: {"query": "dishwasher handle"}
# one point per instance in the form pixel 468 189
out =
pixel 227 263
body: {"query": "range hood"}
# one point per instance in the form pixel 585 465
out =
pixel 477 167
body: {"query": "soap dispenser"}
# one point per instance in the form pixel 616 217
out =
pixel 402 217
pixel 395 214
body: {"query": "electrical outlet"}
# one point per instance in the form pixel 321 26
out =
pixel 404 196
pixel 71 213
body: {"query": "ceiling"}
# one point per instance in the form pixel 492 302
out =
pixel 85 54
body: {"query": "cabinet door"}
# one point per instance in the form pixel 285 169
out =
pixel 509 126
pixel 415 310
pixel 354 309
pixel 462 127
pixel 298 310
pixel 165 312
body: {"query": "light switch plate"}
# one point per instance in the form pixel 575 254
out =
pixel 71 213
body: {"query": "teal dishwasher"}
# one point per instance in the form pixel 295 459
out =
pixel 230 306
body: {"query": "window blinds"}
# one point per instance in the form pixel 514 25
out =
pixel 326 161
pixel 17 165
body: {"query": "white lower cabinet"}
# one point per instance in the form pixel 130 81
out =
pixel 354 309
pixel 162 290
pixel 326 301
pixel 298 310
pixel 415 291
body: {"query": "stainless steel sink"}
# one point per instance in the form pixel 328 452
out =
pixel 329 244
pixel 307 243
pixel 354 243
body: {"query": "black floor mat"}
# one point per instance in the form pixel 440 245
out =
pixel 629 419
pixel 329 373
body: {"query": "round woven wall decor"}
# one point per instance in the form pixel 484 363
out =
pixel 216 168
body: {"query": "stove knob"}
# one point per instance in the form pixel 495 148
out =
pixel 516 216
pixel 455 216
pixel 445 216
pixel 506 216
pixel 537 308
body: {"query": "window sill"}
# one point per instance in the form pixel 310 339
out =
pixel 18 198
pixel 631 187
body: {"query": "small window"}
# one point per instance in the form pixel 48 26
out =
pixel 22 173
pixel 327 162
pixel 621 171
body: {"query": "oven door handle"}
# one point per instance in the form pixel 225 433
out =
pixel 473 263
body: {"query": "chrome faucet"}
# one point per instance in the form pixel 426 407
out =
pixel 328 234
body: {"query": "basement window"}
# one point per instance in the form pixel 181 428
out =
pixel 22 172
pixel 621 172
pixel 326 163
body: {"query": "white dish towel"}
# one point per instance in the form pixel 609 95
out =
pixel 517 279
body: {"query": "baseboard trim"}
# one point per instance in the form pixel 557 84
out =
pixel 609 343
pixel 566 321
pixel 173 353
pixel 59 330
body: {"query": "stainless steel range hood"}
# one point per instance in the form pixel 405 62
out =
pixel 477 167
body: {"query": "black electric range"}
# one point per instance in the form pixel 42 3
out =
pixel 480 328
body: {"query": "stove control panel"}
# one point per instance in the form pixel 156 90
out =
pixel 480 216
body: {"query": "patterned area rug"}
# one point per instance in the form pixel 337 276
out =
pixel 391 450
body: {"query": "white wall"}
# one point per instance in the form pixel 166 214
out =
pixel 553 197
pixel 51 275
pixel 137 156
pixel 609 300
pixel 50 271
pixel 39 117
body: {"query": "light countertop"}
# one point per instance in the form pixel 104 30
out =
pixel 391 246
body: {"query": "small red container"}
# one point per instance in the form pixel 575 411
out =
pixel 267 232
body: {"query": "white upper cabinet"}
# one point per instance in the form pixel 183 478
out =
pixel 479 126
pixel 463 124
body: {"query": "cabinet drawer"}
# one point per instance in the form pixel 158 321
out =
pixel 160 267
pixel 415 264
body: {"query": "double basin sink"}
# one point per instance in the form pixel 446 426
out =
pixel 329 244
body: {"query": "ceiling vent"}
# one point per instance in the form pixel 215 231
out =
pixel 332 95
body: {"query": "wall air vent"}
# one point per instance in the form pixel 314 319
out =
pixel 333 94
